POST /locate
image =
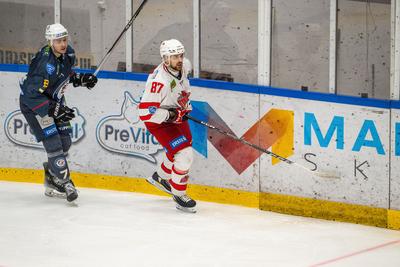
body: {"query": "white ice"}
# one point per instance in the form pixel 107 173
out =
pixel 109 228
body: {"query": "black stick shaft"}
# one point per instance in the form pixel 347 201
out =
pixel 241 140
pixel 119 37
pixel 288 161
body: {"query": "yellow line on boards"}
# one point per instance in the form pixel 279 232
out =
pixel 293 205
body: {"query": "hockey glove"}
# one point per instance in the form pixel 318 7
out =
pixel 60 113
pixel 177 115
pixel 84 79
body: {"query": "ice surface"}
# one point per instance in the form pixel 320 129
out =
pixel 109 228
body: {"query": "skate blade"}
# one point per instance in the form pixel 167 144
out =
pixel 160 187
pixel 49 192
pixel 53 193
pixel 184 209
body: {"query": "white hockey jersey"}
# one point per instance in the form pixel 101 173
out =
pixel 162 92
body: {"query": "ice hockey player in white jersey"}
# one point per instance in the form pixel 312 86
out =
pixel 163 106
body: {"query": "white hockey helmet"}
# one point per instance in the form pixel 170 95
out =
pixel 171 47
pixel 55 31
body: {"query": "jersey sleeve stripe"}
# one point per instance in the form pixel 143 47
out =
pixel 40 105
pixel 149 104
pixel 146 117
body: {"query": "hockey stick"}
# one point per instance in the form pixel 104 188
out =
pixel 288 161
pixel 119 37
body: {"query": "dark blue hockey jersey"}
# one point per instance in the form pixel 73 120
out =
pixel 46 79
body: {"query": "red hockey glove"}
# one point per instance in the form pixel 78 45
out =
pixel 177 115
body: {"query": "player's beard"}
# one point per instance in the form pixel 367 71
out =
pixel 178 67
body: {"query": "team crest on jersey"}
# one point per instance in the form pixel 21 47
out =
pixel 50 68
pixel 172 85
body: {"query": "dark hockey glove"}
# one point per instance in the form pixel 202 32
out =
pixel 60 113
pixel 84 79
pixel 177 115
pixel 89 80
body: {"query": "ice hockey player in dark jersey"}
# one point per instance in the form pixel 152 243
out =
pixel 42 103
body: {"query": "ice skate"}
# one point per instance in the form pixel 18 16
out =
pixel 71 192
pixel 160 183
pixel 52 189
pixel 185 203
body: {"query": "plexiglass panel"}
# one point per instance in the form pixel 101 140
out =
pixel 94 26
pixel 364 48
pixel 161 20
pixel 229 40
pixel 300 44
pixel 22 27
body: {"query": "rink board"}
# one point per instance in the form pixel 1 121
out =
pixel 395 160
pixel 352 137
pixel 333 138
